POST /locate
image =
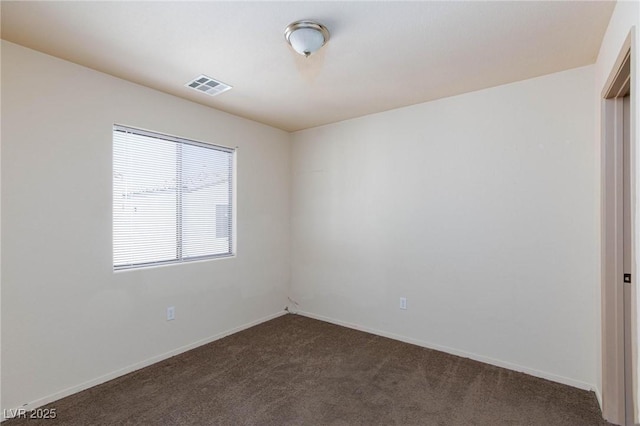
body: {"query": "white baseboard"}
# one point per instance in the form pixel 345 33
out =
pixel 596 390
pixel 137 366
pixel 487 360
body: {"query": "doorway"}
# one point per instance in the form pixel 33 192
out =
pixel 619 306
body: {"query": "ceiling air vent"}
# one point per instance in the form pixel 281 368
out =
pixel 208 85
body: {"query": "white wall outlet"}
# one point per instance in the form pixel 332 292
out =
pixel 171 313
pixel 403 303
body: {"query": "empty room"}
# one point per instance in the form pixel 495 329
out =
pixel 319 213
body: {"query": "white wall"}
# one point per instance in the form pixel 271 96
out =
pixel 69 321
pixel 625 16
pixel 478 208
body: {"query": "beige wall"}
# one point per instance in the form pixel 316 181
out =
pixel 479 209
pixel 69 321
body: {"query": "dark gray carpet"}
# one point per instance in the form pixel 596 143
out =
pixel 298 371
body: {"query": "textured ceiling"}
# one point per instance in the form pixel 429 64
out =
pixel 382 55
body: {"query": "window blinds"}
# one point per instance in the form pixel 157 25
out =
pixel 172 199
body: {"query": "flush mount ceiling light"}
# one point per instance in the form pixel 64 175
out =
pixel 306 37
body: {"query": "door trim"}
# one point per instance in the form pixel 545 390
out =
pixel 614 389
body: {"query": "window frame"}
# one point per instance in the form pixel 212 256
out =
pixel 232 201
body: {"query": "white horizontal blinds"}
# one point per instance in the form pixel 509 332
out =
pixel 144 199
pixel 206 207
pixel 171 199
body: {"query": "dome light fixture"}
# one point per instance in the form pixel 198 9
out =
pixel 306 36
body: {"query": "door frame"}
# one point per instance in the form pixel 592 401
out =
pixel 615 388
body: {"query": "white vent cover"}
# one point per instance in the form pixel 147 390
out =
pixel 208 85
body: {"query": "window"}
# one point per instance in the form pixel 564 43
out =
pixel 172 199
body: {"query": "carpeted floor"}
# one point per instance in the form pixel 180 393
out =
pixel 298 371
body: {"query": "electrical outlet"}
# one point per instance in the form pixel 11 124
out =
pixel 403 303
pixel 171 313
